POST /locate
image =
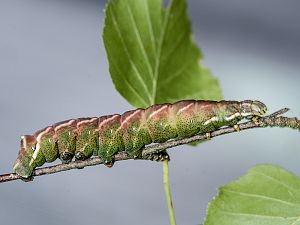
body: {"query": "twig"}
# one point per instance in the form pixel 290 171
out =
pixel 273 120
pixel 279 112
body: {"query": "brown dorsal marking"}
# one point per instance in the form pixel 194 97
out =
pixel 88 121
pixel 67 124
pixel 128 117
pixel 46 131
pixel 107 120
pixel 157 111
pixel 26 140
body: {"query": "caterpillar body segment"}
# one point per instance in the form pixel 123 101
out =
pixel 87 138
pixel 65 134
pixel 110 137
pixel 107 135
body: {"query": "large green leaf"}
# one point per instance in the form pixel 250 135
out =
pixel 152 56
pixel 265 195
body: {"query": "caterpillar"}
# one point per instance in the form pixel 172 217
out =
pixel 107 135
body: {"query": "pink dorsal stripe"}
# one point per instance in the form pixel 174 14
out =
pixel 108 119
pixel 40 135
pixel 87 121
pixel 130 116
pixel 157 111
pixel 185 108
pixel 68 123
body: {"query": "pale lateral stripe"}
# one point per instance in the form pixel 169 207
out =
pixel 229 118
pixel 138 35
pixel 128 55
pixel 213 119
pixel 36 151
pixel 184 108
pixel 157 111
pixel 246 114
pixel 107 120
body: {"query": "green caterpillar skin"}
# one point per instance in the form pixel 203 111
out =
pixel 130 132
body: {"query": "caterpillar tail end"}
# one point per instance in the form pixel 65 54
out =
pixel 26 160
pixel 22 170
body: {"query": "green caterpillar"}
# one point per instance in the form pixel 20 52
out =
pixel 130 132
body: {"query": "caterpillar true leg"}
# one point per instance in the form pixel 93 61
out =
pixel 110 137
pixel 135 132
pixel 66 139
pixel 87 138
pixel 255 119
pixel 236 127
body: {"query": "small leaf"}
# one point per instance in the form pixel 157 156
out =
pixel 265 195
pixel 152 56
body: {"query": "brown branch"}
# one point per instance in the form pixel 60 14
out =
pixel 273 120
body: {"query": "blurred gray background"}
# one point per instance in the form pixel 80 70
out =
pixel 53 67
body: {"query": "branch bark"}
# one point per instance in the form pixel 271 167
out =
pixel 273 120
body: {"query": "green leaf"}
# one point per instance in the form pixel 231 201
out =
pixel 265 195
pixel 152 56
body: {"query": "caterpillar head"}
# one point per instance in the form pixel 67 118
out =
pixel 251 108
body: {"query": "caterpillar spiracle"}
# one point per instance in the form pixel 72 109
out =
pixel 107 135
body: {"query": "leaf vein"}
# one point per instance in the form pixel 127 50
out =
pixel 175 46
pixel 277 181
pixel 175 75
pixel 138 35
pixel 150 27
pixel 131 86
pixel 258 215
pixel 295 222
pixel 263 197
pixel 128 55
